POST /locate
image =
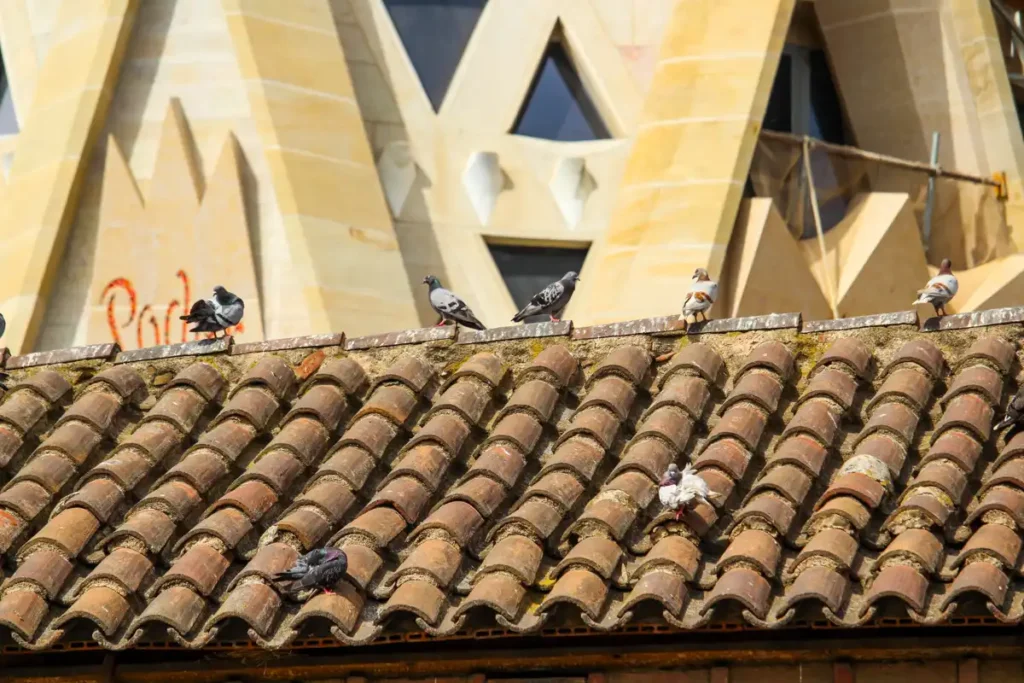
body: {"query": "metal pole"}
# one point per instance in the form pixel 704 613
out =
pixel 813 196
pixel 856 153
pixel 929 205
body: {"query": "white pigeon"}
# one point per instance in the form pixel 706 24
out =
pixel 701 297
pixel 221 311
pixel 551 300
pixel 677 489
pixel 449 306
pixel 940 289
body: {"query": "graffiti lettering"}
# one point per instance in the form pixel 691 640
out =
pixel 174 308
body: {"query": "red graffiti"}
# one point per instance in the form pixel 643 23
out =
pixel 173 307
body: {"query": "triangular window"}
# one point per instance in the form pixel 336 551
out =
pixel 557 106
pixel 529 269
pixel 8 119
pixel 435 34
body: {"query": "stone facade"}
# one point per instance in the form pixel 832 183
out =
pixel 290 151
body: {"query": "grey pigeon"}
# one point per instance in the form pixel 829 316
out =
pixel 217 313
pixel 449 306
pixel 551 300
pixel 318 569
pixel 1014 412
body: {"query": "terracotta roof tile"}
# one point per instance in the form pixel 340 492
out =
pixel 512 489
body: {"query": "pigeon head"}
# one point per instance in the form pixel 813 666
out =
pixel 432 281
pixel 701 275
pixel 672 475
pixel 571 276
pixel 946 267
pixel 223 296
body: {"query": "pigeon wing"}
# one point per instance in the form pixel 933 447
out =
pixel 549 295
pixel 231 315
pixel 201 310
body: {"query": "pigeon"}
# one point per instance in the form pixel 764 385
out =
pixel 449 306
pixel 677 489
pixel 940 289
pixel 217 313
pixel 700 298
pixel 551 300
pixel 318 569
pixel 1014 413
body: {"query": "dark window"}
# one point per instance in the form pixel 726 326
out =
pixel 804 101
pixel 557 106
pixel 435 33
pixel 779 116
pixel 8 119
pixel 527 270
pixel 826 111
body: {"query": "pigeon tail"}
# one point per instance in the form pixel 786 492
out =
pixel 1004 423
pixel 527 311
pixel 472 322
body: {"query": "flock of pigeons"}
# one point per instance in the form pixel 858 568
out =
pixel 322 569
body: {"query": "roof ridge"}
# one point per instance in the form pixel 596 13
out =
pixel 660 326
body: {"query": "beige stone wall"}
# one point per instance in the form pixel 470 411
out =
pixel 351 187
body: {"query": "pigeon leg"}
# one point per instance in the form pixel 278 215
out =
pixel 553 318
pixel 679 514
pixel 441 323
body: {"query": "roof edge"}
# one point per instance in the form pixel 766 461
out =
pixel 660 326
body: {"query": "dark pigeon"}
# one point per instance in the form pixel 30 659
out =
pixel 216 314
pixel 1014 413
pixel 318 569
pixel 551 300
pixel 449 306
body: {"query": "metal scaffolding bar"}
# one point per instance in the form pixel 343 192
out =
pixel 857 153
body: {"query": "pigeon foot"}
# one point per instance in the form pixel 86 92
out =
pixel 554 319
pixel 679 514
